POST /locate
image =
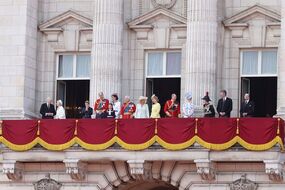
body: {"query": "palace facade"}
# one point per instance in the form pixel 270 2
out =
pixel 74 49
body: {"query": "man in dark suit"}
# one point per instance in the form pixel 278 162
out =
pixel 47 110
pixel 247 107
pixel 225 105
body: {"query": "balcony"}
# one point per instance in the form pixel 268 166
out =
pixel 143 149
pixel 253 134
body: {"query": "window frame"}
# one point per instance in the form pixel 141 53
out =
pixel 74 77
pixel 164 75
pixel 259 64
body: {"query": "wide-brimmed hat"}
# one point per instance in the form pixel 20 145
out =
pixel 188 95
pixel 206 97
pixel 142 98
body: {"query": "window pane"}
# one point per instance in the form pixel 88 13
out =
pixel 269 62
pixel 155 64
pixel 83 65
pixel 173 63
pixel 250 63
pixel 65 69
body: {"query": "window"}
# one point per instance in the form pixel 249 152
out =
pixel 259 62
pixel 74 66
pixel 163 64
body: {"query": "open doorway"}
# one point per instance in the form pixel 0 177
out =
pixel 263 91
pixel 73 94
pixel 163 88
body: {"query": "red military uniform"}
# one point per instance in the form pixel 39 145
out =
pixel 173 108
pixel 101 105
pixel 127 110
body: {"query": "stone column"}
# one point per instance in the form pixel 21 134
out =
pixel 18 55
pixel 281 66
pixel 107 48
pixel 201 49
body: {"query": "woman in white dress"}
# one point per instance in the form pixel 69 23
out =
pixel 188 107
pixel 60 112
pixel 116 105
pixel 142 110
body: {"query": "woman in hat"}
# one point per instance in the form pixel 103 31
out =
pixel 155 109
pixel 60 111
pixel 209 110
pixel 142 108
pixel 188 107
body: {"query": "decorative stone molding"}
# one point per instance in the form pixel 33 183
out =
pixel 47 184
pixel 68 31
pixel 150 33
pixel 181 30
pixel 237 29
pixel 274 170
pixel 242 21
pixel 163 3
pixel 140 169
pixel 276 28
pixel 75 168
pixel 12 169
pixel 206 169
pixel 250 11
pixel 243 184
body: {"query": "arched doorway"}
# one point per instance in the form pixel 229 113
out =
pixel 146 185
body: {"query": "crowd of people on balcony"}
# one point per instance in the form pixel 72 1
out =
pixel 103 108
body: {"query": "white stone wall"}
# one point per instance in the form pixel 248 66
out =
pixel 18 58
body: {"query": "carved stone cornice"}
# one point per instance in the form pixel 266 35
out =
pixel 274 170
pixel 140 169
pixel 68 31
pixel 243 184
pixel 12 169
pixel 206 169
pixel 47 184
pixel 241 21
pixel 75 168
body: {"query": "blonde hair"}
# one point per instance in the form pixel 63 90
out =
pixel 155 97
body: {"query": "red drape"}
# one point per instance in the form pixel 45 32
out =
pixel 95 131
pixel 20 132
pixel 138 134
pixel 216 131
pixel 57 132
pixel 176 131
pixel 136 131
pixel 258 130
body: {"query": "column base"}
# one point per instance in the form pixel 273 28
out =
pixel 16 113
pixel 280 113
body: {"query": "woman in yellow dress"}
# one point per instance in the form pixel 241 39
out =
pixel 155 110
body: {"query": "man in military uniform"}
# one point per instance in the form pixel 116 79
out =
pixel 128 109
pixel 101 105
pixel 172 107
pixel 247 107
